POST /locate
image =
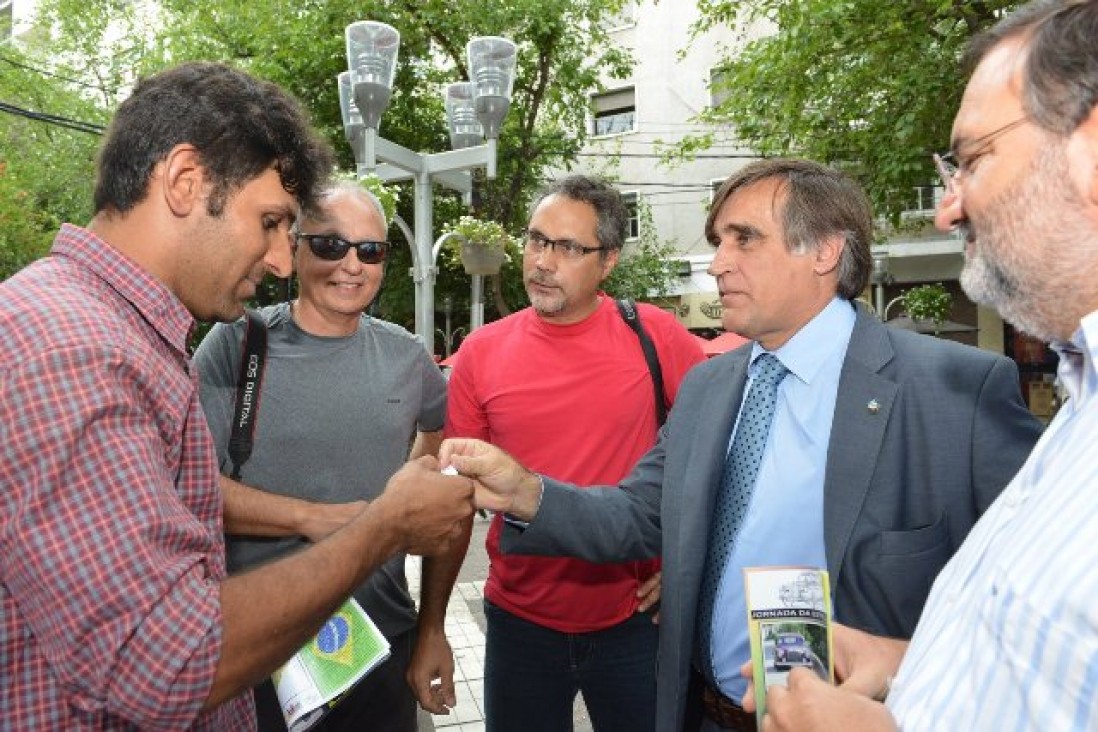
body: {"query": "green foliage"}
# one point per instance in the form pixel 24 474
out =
pixel 386 195
pixel 300 45
pixel 928 302
pixel 45 169
pixel 871 86
pixel 647 268
pixel 104 44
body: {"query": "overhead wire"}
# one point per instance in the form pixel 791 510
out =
pixel 46 117
pixel 53 119
pixel 44 72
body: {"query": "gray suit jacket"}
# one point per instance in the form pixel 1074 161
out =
pixel 904 484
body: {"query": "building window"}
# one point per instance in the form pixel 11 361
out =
pixel 927 196
pixel 923 202
pixel 624 18
pixel 632 227
pixel 615 112
pixel 718 87
pixel 714 186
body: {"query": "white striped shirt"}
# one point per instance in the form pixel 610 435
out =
pixel 1009 637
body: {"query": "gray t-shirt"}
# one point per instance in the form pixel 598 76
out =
pixel 336 416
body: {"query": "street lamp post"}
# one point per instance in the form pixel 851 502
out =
pixel 880 276
pixel 475 110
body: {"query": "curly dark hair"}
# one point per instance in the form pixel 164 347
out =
pixel 240 125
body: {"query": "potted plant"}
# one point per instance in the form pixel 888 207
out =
pixel 482 244
pixel 928 303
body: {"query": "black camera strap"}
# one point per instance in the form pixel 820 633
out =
pixel 248 383
pixel 631 315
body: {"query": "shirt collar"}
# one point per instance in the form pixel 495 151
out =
pixel 1077 369
pixel 148 295
pixel 820 341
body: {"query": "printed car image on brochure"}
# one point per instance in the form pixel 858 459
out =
pixel 790 649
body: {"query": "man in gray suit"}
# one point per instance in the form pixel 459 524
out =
pixel 882 450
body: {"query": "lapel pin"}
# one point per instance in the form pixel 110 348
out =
pixel 874 406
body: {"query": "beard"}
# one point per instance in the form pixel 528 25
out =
pixel 545 304
pixel 1031 246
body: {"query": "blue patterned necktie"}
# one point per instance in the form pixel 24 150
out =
pixel 741 467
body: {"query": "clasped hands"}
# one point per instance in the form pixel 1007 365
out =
pixel 503 485
pixel 500 483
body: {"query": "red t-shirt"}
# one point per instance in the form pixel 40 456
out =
pixel 574 402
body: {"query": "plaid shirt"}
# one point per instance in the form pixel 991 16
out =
pixel 111 547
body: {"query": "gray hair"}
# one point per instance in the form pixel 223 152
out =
pixel 820 202
pixel 610 209
pixel 348 188
pixel 1061 67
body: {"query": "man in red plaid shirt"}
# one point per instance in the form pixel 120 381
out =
pixel 115 608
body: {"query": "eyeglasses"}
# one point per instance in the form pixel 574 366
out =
pixel 950 165
pixel 535 243
pixel 332 248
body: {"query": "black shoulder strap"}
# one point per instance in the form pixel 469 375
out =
pixel 631 316
pixel 247 391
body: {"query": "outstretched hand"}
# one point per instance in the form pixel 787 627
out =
pixel 502 484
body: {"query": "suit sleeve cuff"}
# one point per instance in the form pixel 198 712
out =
pixel 519 523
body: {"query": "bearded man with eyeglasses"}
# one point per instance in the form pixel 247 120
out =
pixel 565 386
pixel 342 396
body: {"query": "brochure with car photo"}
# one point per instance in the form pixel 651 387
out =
pixel 789 623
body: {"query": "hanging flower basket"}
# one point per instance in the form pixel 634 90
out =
pixel 481 245
pixel 928 303
pixel 480 259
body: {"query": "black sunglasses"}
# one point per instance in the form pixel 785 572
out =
pixel 332 248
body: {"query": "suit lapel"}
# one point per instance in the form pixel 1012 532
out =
pixel 713 427
pixel 862 410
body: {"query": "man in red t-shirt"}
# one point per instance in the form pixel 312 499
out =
pixel 564 387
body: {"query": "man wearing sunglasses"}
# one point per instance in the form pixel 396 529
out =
pixel 564 385
pixel 342 395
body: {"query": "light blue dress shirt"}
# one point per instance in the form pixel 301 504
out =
pixel 1008 639
pixel 784 523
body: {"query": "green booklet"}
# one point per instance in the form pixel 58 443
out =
pixel 348 647
pixel 789 623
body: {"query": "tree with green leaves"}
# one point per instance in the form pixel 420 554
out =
pixel 49 130
pixel 868 85
pixel 646 268
pixel 563 49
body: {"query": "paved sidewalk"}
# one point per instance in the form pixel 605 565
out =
pixel 467 641
pixel 465 626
